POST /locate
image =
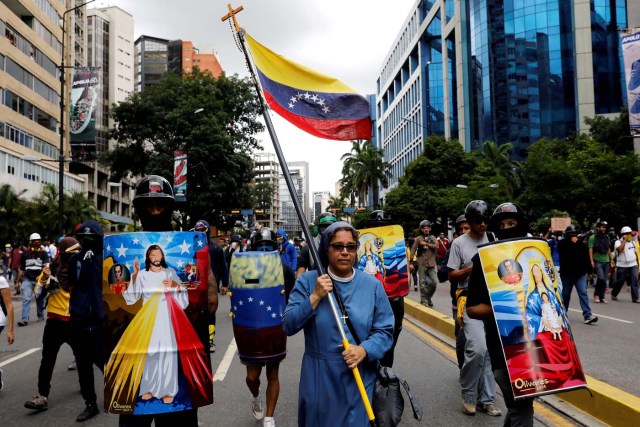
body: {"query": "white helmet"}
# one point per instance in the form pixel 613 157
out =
pixel 625 230
pixel 36 236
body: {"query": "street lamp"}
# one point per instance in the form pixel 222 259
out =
pixel 61 124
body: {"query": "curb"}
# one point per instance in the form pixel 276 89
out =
pixel 602 401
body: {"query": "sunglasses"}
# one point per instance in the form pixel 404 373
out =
pixel 339 247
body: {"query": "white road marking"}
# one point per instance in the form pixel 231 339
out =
pixel 604 317
pixel 20 356
pixel 222 370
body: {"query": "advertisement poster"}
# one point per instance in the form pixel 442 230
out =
pixel 154 288
pixel 256 288
pixel 537 342
pixel 180 176
pixel 382 253
pixel 85 91
pixel 631 53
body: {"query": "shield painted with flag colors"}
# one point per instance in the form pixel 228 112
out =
pixel 383 254
pixel 318 104
pixel 256 286
pixel 526 296
pixel 156 323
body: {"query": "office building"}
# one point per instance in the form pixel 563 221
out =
pixel 510 71
pixel 183 56
pixel 320 203
pixel 30 54
pixel 300 176
pixel 266 180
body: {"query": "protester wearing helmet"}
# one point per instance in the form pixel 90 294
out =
pixel 476 376
pixel 31 263
pixel 574 258
pixel 153 203
pixel 601 259
pixel 626 264
pixel 379 218
pixel 508 222
pixel 424 248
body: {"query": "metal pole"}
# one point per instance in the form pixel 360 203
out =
pixel 305 229
pixel 61 123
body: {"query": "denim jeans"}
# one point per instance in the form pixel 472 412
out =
pixel 630 275
pixel 26 289
pixel 568 282
pixel 476 375
pixel 602 271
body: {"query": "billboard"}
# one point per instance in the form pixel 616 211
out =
pixel 631 53
pixel 180 176
pixel 85 91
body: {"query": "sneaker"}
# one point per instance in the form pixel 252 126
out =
pixel 72 366
pixel 23 323
pixel 491 410
pixel 590 319
pixel 40 319
pixel 603 301
pixel 1 382
pixel 614 298
pixel 415 288
pixel 468 407
pixel 212 347
pixel 269 422
pixel 596 298
pixel 90 411
pixel 429 303
pixel 39 403
pixel 256 407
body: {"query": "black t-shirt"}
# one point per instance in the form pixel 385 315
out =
pixel 478 293
pixel 304 257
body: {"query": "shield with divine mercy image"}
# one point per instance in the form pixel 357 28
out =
pixel 156 324
pixel 526 296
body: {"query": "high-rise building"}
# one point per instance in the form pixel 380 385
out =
pixel 300 175
pixel 110 48
pixel 267 174
pixel 507 71
pixel 320 203
pixel 156 56
pixel 30 55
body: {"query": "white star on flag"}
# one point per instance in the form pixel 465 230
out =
pixel 314 97
pixel 325 109
pixel 293 99
pixel 235 307
pixel 184 247
pixel 240 302
pixel 273 315
pixel 180 263
pixel 291 105
pixel 250 299
pixel 169 238
pixel 307 96
pixel 269 308
pixel 108 247
pixel 261 302
pixel 122 251
pixel 135 241
pixel 200 243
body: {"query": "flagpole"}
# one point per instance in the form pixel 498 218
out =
pixel 305 228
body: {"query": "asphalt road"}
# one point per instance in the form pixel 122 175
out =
pixel 424 361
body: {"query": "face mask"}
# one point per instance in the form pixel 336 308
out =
pixel 510 233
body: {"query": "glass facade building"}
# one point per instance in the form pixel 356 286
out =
pixel 509 71
pixel 151 61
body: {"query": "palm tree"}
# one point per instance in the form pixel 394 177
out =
pixel 364 168
pixel 10 211
pixel 497 159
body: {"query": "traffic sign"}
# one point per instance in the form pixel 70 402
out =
pixel 348 210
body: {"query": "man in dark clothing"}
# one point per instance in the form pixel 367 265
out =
pixel 574 258
pixel 154 203
pixel 85 307
pixel 507 222
pixel 601 259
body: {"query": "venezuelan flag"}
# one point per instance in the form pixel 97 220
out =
pixel 318 104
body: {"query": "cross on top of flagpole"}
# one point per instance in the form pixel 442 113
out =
pixel 232 15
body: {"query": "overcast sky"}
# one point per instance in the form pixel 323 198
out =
pixel 346 39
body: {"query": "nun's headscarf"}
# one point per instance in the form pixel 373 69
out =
pixel 324 241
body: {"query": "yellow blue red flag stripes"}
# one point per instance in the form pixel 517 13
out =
pixel 318 104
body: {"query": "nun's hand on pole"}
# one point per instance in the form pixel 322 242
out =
pixel 324 285
pixel 354 355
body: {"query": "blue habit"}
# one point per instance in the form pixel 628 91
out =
pixel 328 394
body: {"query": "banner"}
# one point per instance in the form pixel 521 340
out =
pixel 85 92
pixel 156 322
pixel 537 341
pixel 383 254
pixel 180 176
pixel 631 54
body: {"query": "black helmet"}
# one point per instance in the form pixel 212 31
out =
pixel 424 223
pixel 571 229
pixel 379 217
pixel 460 220
pixel 476 211
pixel 508 210
pixel 261 238
pixel 154 188
pixel 236 238
pixel 601 224
pixel 326 219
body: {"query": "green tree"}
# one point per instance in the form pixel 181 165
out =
pixel 263 194
pixel 215 121
pixel 76 209
pixel 497 165
pixel 363 168
pixel 614 133
pixel 11 213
